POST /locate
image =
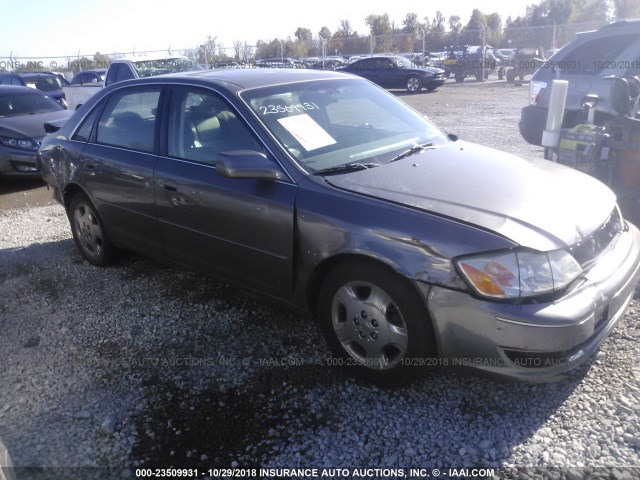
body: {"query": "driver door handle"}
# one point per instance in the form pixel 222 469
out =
pixel 167 184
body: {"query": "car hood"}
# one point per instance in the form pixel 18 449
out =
pixel 30 126
pixel 533 202
pixel 433 70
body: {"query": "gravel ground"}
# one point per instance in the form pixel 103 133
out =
pixel 145 365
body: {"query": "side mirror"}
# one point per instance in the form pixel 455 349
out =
pixel 51 127
pixel 453 137
pixel 247 164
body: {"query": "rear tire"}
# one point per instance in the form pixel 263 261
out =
pixel 375 322
pixel 88 231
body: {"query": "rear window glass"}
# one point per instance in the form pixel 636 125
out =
pixel 594 56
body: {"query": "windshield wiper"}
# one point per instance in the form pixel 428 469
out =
pixel 411 151
pixel 346 168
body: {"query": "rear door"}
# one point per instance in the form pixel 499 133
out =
pixel 118 164
pixel 241 229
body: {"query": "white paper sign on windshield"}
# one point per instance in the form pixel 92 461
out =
pixel 307 131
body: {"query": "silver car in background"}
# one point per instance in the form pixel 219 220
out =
pixel 412 248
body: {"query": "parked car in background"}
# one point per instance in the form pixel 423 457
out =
pixel 83 86
pixel 397 72
pixel 23 113
pixel 140 67
pixel 279 63
pixel 50 83
pixel 472 60
pixel 525 61
pixel 328 64
pixel 411 247
pixel 89 77
pixel 586 63
pixel 505 55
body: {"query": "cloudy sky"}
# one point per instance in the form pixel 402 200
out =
pixel 66 27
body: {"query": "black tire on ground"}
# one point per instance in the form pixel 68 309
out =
pixel 414 84
pixel 459 77
pixel 511 77
pixel 88 231
pixel 375 322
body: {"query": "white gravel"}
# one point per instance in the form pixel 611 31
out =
pixel 142 364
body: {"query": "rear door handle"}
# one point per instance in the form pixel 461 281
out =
pixel 169 185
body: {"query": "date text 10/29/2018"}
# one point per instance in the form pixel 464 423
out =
pixel 193 473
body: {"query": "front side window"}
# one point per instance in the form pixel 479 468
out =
pixel 202 124
pixel 324 124
pixel 129 119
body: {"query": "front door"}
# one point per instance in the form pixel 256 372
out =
pixel 241 229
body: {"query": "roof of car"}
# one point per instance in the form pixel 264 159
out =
pixel 13 89
pixel 30 74
pixel 632 24
pixel 148 58
pixel 247 78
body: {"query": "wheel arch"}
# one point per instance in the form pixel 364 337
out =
pixel 323 268
pixel 70 191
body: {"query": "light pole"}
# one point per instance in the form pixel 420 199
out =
pixel 423 33
pixel 281 53
pixel 324 46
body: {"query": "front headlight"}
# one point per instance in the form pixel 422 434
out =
pixel 519 272
pixel 19 143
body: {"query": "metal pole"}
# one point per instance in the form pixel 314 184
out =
pixel 484 52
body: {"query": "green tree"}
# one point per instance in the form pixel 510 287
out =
pixel 303 35
pixel 410 24
pixel 345 29
pixel 324 33
pixel 380 28
pixel 101 60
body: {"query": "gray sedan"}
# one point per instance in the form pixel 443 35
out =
pixel 412 248
pixel 23 113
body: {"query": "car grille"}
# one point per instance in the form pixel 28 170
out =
pixel 593 245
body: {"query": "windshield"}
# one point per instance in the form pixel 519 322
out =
pixel 149 68
pixel 325 124
pixel 404 62
pixel 26 104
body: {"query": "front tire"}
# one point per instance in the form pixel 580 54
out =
pixel 414 84
pixel 89 234
pixel 375 322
